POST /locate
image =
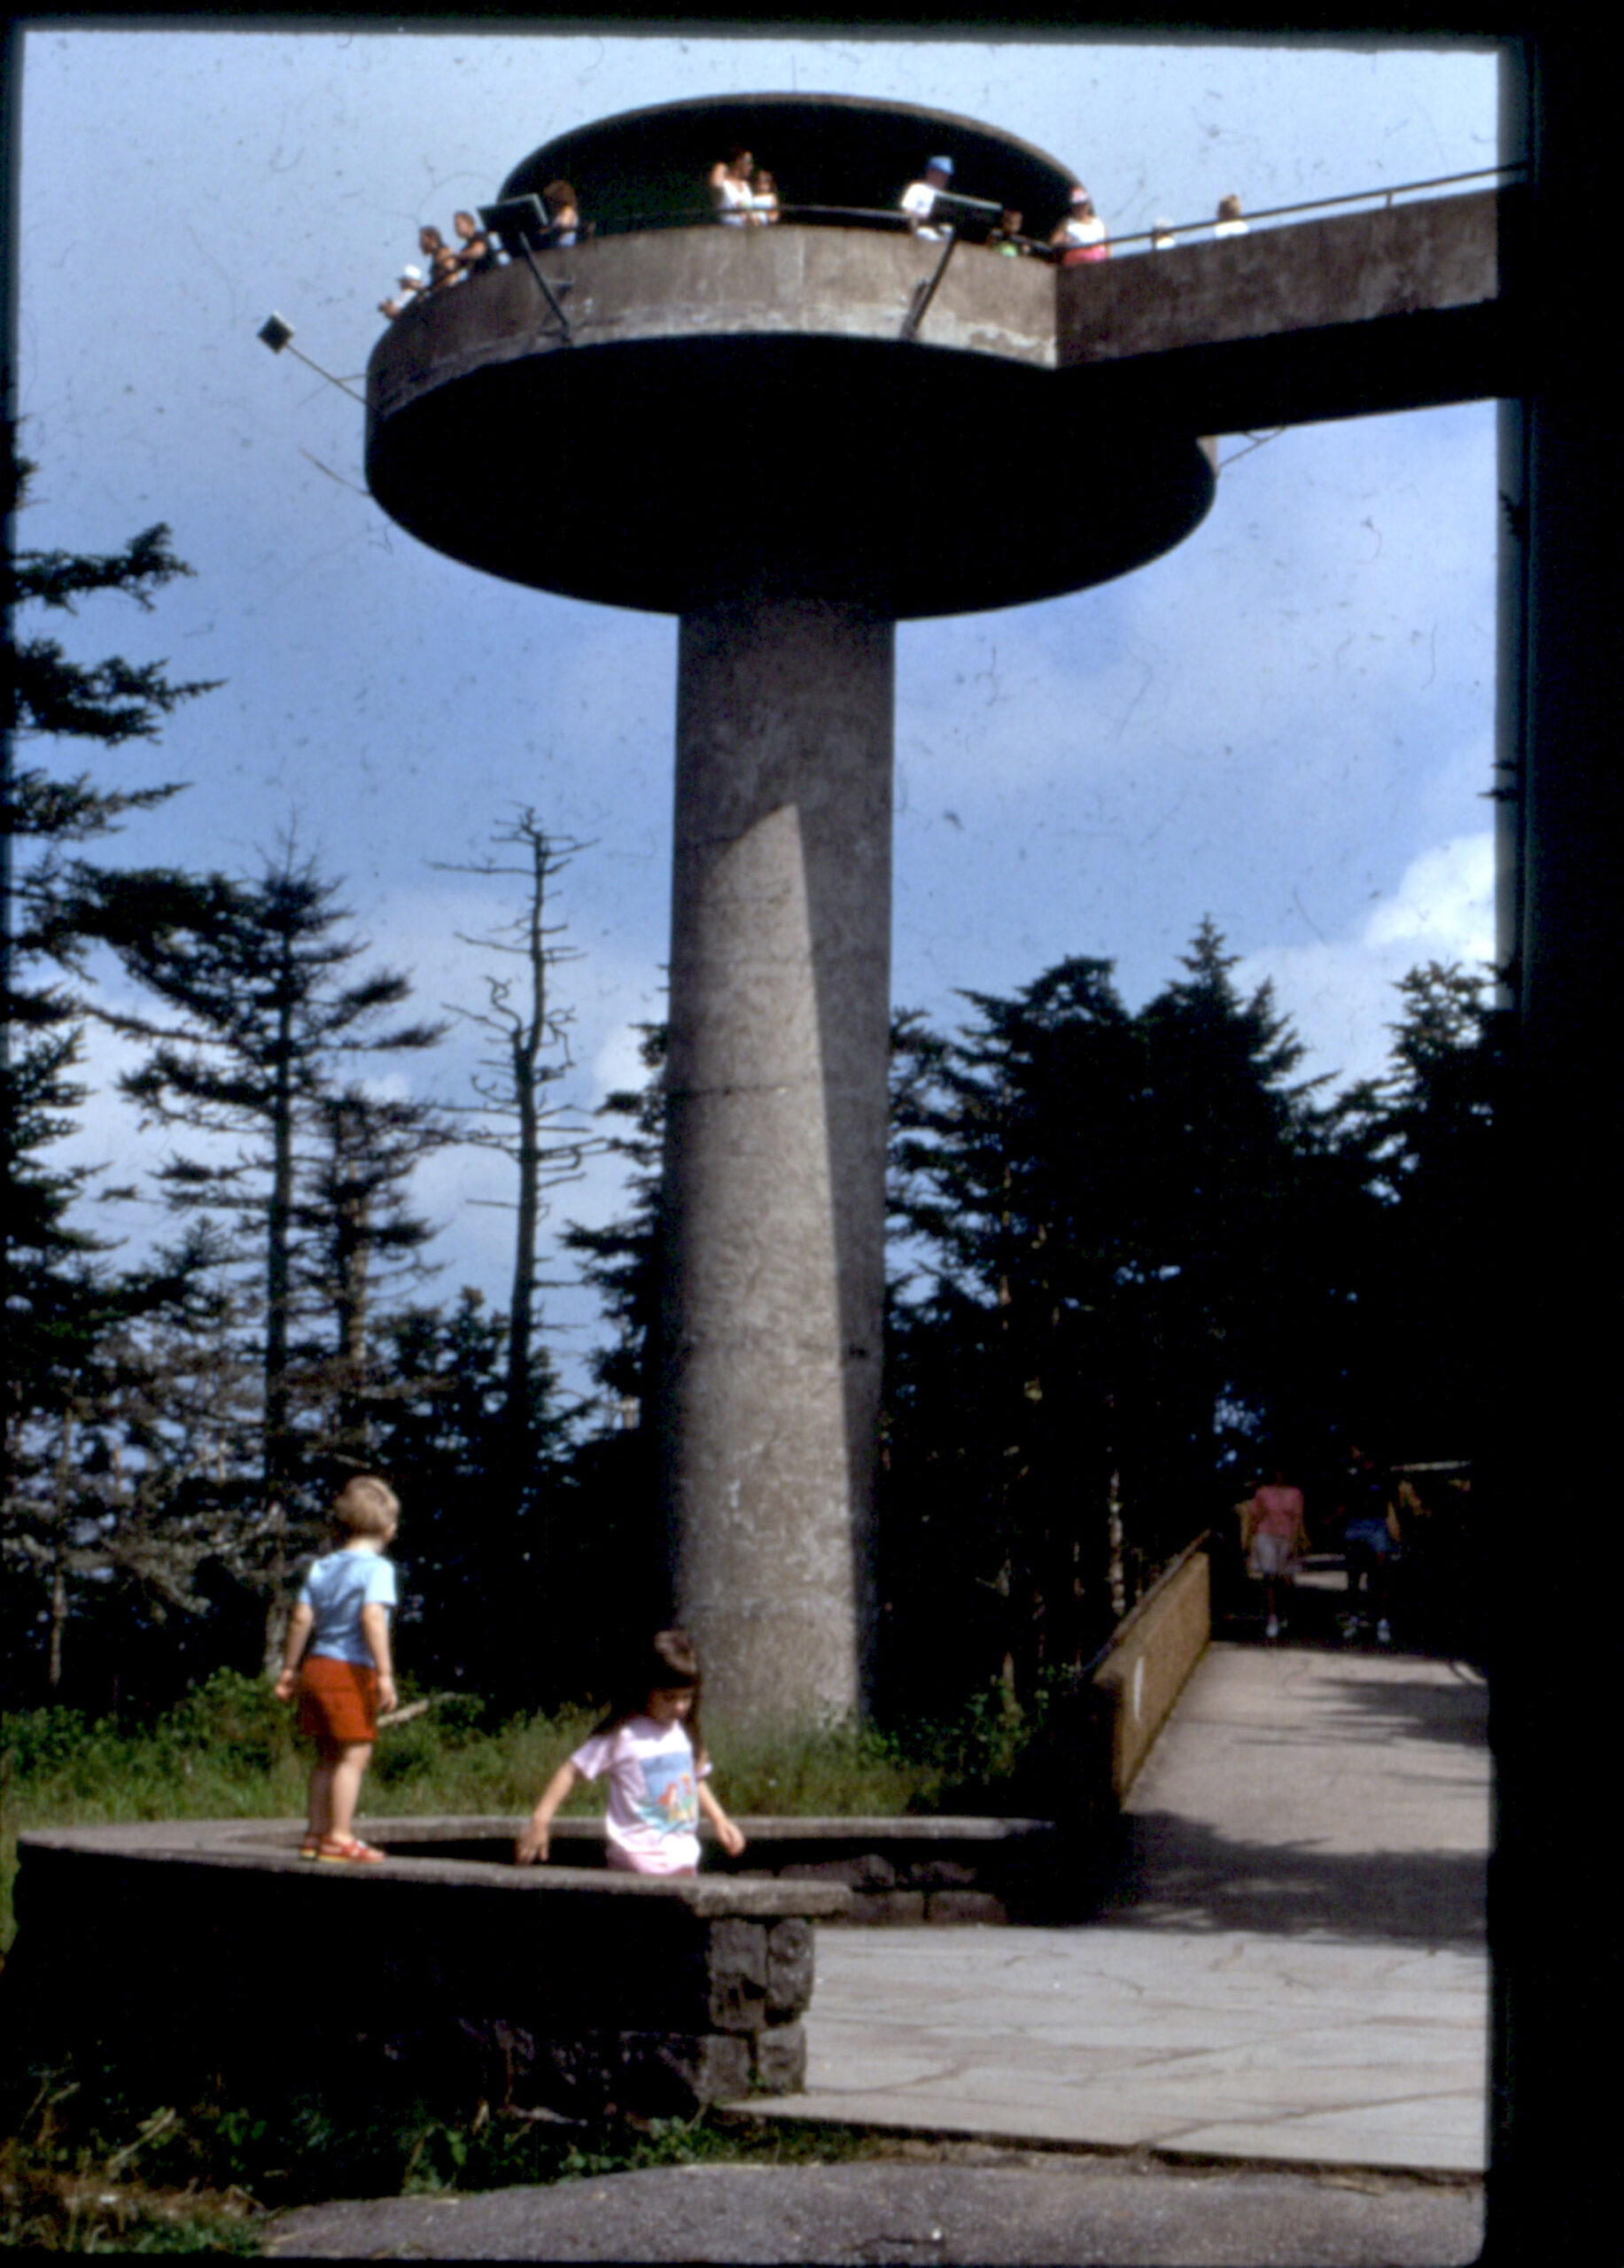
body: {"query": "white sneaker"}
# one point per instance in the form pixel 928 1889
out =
pixel 1273 1629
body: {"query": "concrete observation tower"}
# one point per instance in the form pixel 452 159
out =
pixel 792 438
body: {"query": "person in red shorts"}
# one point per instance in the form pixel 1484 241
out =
pixel 340 1631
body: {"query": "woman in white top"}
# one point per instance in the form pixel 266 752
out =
pixel 730 187
pixel 1081 236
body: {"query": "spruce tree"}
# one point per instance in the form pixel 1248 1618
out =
pixel 269 1025
pixel 1008 1167
pixel 57 1295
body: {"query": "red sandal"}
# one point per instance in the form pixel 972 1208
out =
pixel 342 1851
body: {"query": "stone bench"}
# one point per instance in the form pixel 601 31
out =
pixel 201 1953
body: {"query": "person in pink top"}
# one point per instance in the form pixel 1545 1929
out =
pixel 651 1748
pixel 1275 1537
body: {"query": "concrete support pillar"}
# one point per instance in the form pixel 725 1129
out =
pixel 774 1190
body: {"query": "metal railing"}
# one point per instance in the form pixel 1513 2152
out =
pixel 710 215
pixel 1176 232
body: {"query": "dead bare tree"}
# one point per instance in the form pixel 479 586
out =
pixel 529 1035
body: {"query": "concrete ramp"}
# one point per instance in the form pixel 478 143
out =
pixel 1291 1966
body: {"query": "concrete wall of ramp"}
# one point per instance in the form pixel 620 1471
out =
pixel 1149 1661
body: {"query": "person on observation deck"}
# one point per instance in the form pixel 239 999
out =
pixel 1080 239
pixel 919 199
pixel 730 188
pixel 410 280
pixel 563 216
pixel 1006 237
pixel 475 251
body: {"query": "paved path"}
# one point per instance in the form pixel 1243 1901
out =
pixel 1008 2207
pixel 1292 1968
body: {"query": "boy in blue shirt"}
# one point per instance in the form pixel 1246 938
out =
pixel 340 1628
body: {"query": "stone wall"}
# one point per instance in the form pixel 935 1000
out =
pixel 206 1954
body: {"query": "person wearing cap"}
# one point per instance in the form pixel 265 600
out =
pixel 411 284
pixel 1081 236
pixel 919 198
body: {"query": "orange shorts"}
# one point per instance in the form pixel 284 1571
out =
pixel 338 1701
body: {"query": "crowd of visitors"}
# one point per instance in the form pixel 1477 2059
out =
pixel 744 194
pixel 474 253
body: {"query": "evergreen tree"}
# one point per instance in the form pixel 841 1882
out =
pixel 56 1297
pixel 485 1585
pixel 1133 1222
pixel 268 1020
pixel 1432 1127
pixel 1225 1307
pixel 1009 1164
pixel 621 1261
pixel 358 1241
pixel 614 1471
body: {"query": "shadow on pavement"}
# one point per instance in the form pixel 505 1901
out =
pixel 1175 1873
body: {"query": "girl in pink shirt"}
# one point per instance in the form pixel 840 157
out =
pixel 654 1756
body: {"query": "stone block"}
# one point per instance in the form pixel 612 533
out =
pixel 965 1905
pixel 736 1983
pixel 947 1873
pixel 790 1968
pixel 877 1908
pixel 779 2059
pixel 674 2074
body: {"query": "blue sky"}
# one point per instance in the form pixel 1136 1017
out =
pixel 1287 724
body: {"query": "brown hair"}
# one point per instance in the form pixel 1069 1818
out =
pixel 366 1505
pixel 665 1663
pixel 558 192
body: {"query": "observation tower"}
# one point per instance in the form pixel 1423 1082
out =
pixel 791 437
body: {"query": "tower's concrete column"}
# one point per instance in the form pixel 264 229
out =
pixel 776 1144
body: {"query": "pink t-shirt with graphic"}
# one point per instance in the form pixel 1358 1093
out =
pixel 653 1817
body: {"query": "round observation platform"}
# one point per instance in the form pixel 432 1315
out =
pixel 674 413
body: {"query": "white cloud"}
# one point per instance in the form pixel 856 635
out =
pixel 1339 994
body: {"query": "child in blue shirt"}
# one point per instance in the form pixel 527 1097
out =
pixel 340 1628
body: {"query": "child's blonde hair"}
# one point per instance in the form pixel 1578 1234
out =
pixel 367 1506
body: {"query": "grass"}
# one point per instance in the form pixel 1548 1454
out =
pixel 86 2171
